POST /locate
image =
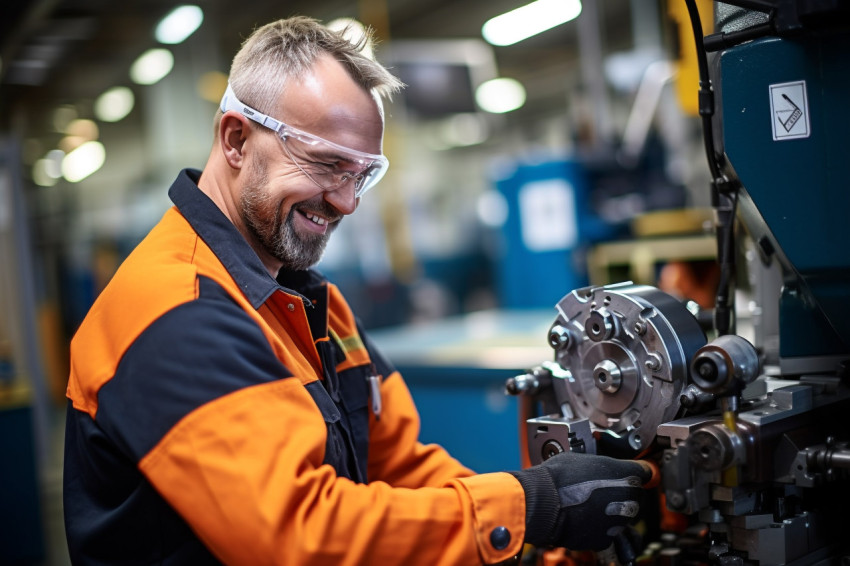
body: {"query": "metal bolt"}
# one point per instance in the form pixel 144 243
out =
pixel 600 325
pixel 640 328
pixel 526 383
pixel 635 440
pixel 676 499
pixel 653 362
pixel 551 448
pixel 559 337
pixel 607 376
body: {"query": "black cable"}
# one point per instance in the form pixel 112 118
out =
pixel 724 195
pixel 724 321
pixel 723 40
pixel 706 93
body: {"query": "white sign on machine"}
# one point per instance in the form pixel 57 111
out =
pixel 789 111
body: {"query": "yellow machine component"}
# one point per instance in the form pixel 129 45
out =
pixel 687 76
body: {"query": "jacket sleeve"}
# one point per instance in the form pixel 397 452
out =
pixel 235 444
pixel 256 493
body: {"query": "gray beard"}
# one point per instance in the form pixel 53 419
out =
pixel 261 215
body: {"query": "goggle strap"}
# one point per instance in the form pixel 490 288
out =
pixel 230 102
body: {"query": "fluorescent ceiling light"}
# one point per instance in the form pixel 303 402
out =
pixel 179 24
pixel 529 20
pixel 152 66
pixel 40 176
pixel 54 159
pixel 62 116
pixel 458 130
pixel 83 161
pixel 114 104
pixel 500 95
pixel 47 170
pixel 83 128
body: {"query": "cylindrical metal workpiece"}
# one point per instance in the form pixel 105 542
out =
pixel 607 376
pixel 600 325
pixel 715 447
pixel 717 365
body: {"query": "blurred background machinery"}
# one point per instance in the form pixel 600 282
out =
pixel 750 434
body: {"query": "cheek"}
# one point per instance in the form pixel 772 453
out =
pixel 283 186
pixel 290 188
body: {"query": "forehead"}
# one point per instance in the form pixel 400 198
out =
pixel 328 103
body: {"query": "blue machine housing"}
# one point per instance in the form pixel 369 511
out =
pixel 795 195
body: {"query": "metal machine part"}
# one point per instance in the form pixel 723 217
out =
pixel 628 352
pixel 622 354
pixel 726 363
pixel 750 457
pixel 752 485
pixel 548 436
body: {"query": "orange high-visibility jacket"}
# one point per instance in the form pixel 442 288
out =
pixel 219 415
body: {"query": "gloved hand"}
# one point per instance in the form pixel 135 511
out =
pixel 580 501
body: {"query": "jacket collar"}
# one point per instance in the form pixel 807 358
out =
pixel 232 250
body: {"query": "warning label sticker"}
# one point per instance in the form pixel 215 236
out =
pixel 789 110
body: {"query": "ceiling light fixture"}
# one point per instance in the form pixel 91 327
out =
pixel 41 175
pixel 180 23
pixel 500 95
pixel 47 170
pixel 114 104
pixel 152 66
pixel 531 19
pixel 83 161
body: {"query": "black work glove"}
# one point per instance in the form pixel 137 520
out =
pixel 580 501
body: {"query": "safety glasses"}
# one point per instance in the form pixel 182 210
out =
pixel 330 166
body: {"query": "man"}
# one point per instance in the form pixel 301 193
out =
pixel 225 405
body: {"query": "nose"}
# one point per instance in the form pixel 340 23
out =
pixel 343 198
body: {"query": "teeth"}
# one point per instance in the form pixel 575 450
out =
pixel 317 220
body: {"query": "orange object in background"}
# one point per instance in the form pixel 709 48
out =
pixel 694 280
pixel 687 79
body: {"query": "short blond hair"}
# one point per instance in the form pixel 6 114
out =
pixel 286 49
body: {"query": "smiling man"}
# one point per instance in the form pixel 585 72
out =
pixel 225 404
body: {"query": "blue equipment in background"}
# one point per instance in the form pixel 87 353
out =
pixel 785 117
pixel 548 221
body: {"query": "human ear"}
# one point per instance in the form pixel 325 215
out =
pixel 233 130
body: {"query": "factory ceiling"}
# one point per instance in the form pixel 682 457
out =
pixel 62 51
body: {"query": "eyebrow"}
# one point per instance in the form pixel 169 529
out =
pixel 333 156
pixel 330 155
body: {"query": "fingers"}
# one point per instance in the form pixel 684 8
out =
pixel 653 475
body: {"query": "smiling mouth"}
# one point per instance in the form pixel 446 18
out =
pixel 316 223
pixel 316 219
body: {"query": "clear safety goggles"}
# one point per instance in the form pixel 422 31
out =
pixel 330 166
